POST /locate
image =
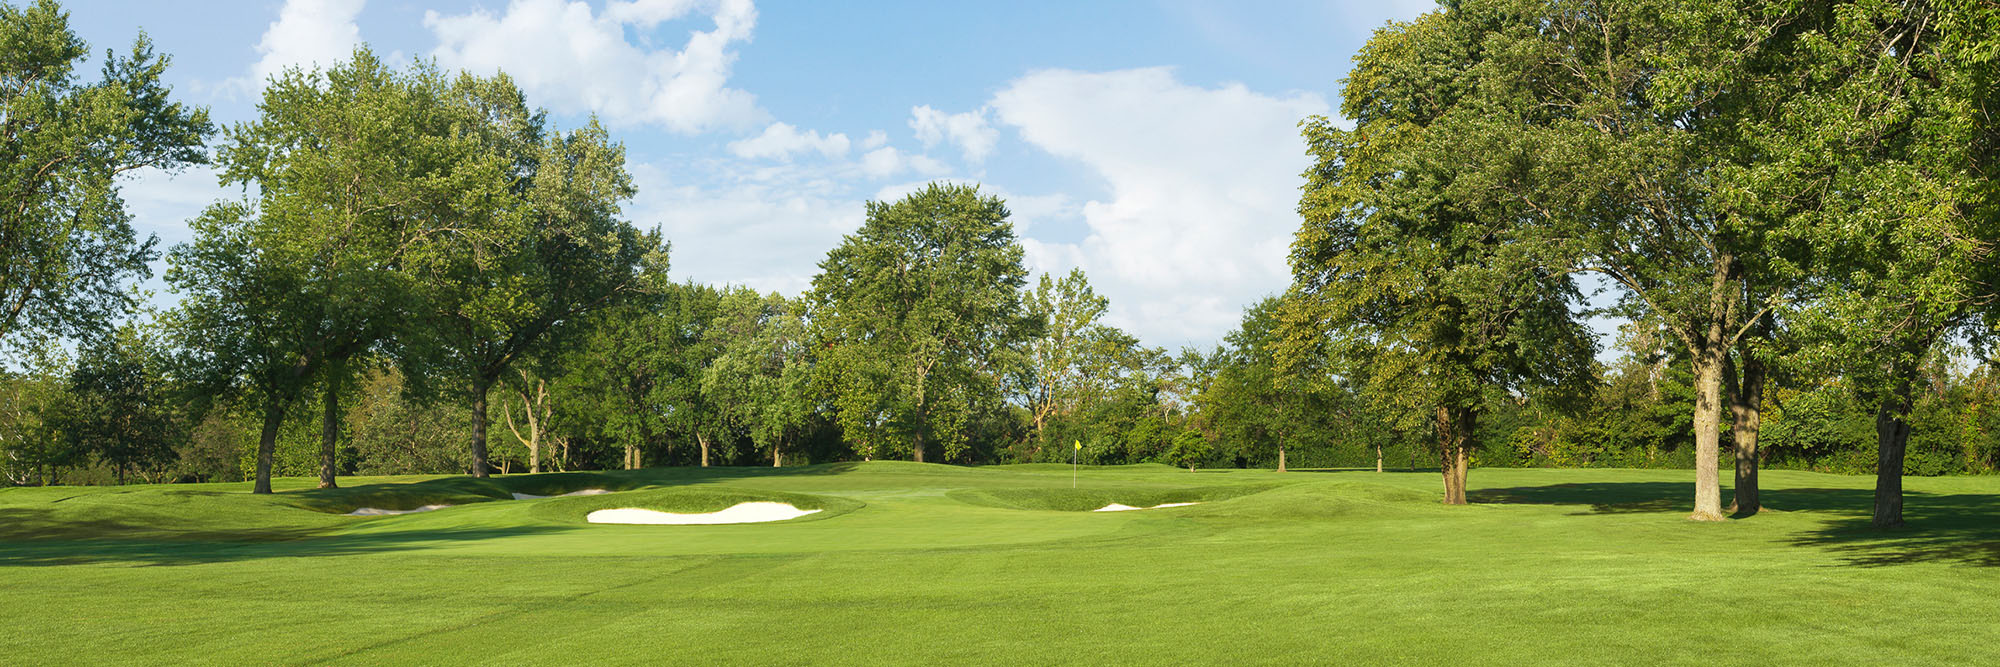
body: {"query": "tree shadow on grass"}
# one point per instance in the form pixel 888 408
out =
pixel 1639 497
pixel 1942 528
pixel 34 537
pixel 1961 529
pixel 1601 497
pixel 460 490
pixel 155 532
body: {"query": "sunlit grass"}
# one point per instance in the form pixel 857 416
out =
pixel 931 564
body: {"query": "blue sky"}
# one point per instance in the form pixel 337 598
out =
pixel 1151 143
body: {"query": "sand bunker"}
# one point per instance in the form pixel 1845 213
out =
pixel 371 511
pixel 1115 507
pixel 753 512
pixel 585 492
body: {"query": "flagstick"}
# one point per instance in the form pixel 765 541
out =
pixel 1076 449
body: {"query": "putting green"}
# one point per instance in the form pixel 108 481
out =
pixel 912 563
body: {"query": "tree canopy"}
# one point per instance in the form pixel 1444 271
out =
pixel 913 313
pixel 66 242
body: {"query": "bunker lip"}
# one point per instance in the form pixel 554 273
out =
pixel 745 512
pixel 1119 507
pixel 584 492
pixel 376 511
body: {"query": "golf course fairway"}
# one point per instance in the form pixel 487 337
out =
pixel 908 563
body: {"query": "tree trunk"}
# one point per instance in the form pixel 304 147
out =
pixel 1747 415
pixel 1448 467
pixel 1464 465
pixel 529 406
pixel 1468 422
pixel 267 443
pixel 1454 426
pixel 1281 458
pixel 917 452
pixel 480 386
pixel 777 456
pixel 702 440
pixel 1892 438
pixel 329 432
pixel 535 423
pixel 1378 458
pixel 1708 366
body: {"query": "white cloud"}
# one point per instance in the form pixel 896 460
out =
pixel 577 60
pixel 876 139
pixel 1203 185
pixel 969 131
pixel 887 161
pixel 1024 211
pixel 765 228
pixel 161 204
pixel 1032 210
pixel 781 140
pixel 307 34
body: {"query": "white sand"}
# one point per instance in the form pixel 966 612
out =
pixel 1115 507
pixel 585 492
pixel 755 512
pixel 370 511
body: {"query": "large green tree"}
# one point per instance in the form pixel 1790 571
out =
pixel 1263 406
pixel 1076 361
pixel 644 378
pixel 1632 126
pixel 522 270
pixel 356 168
pixel 1891 142
pixel 758 378
pixel 916 317
pixel 118 407
pixel 353 164
pixel 689 346
pixel 66 243
pixel 235 327
pixel 604 393
pixel 1410 272
pixel 1058 360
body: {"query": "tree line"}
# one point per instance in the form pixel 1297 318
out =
pixel 1793 204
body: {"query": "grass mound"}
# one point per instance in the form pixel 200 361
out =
pixel 456 491
pixel 1085 500
pixel 1065 467
pixel 688 500
pixel 1337 500
pixel 152 513
pixel 444 491
pixel 558 483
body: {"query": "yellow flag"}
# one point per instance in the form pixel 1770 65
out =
pixel 1079 444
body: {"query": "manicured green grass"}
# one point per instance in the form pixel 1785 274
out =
pixel 930 564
